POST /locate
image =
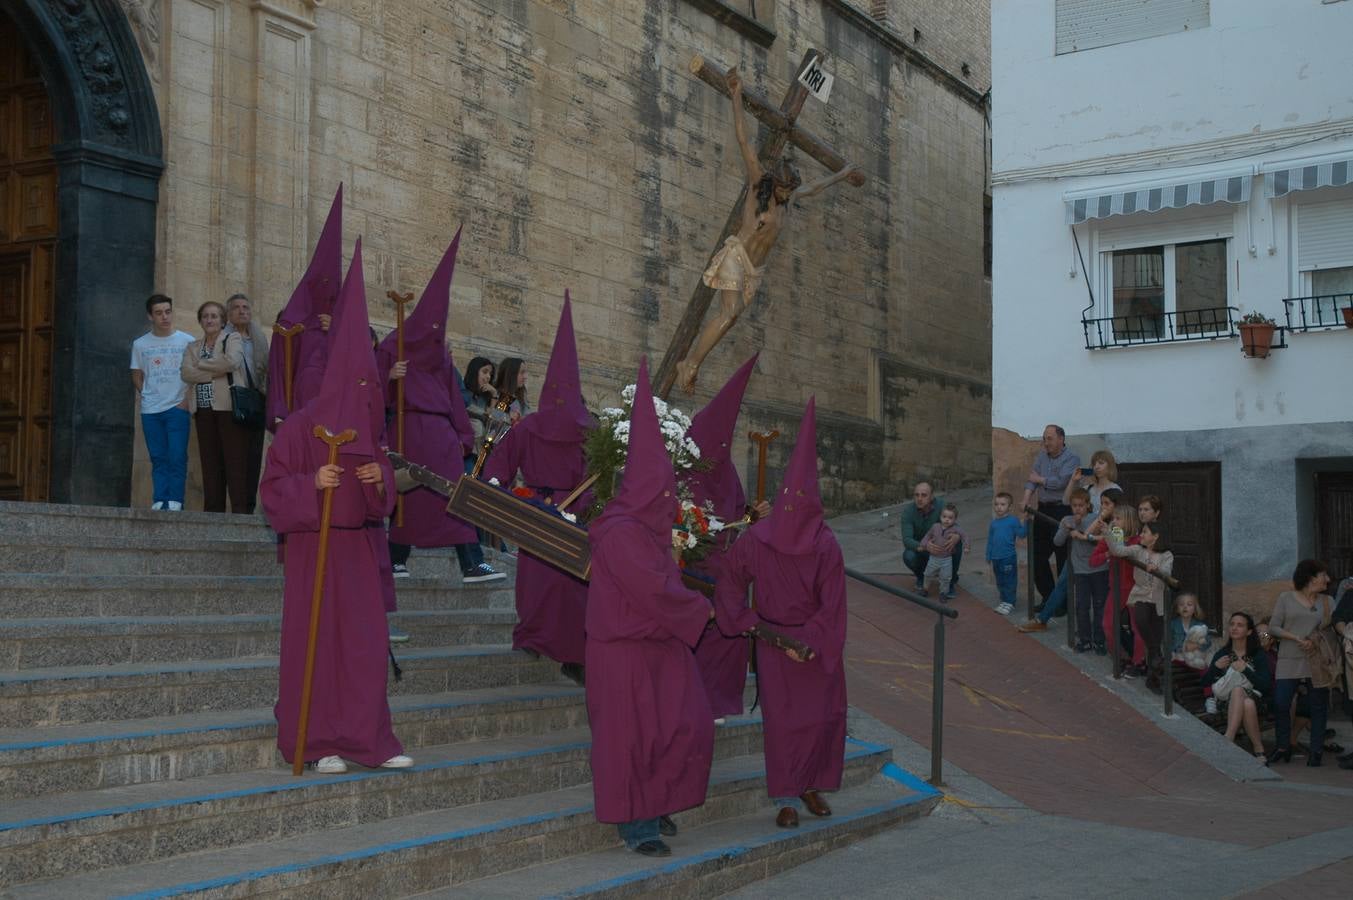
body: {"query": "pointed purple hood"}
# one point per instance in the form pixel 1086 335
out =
pixel 648 490
pixel 351 396
pixel 712 427
pixel 425 328
pixel 793 525
pixel 318 288
pixel 561 414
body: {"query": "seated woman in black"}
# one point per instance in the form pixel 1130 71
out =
pixel 1241 654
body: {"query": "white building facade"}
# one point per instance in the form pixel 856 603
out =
pixel 1160 169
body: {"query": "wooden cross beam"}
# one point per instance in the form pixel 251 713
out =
pixel 783 129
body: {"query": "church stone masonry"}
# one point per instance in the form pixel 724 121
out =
pixel 573 144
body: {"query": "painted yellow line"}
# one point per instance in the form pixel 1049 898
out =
pixel 1030 734
pixel 925 667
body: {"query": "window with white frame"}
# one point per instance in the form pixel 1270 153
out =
pixel 1324 247
pixel 1177 287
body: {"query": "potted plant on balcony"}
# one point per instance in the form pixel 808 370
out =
pixel 1256 335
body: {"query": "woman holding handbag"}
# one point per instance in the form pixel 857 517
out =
pixel 210 365
pixel 1239 678
pixel 1301 617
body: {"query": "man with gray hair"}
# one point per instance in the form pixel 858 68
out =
pixel 239 315
pixel 919 515
pixel 1053 468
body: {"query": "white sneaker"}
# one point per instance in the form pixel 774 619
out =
pixel 720 720
pixel 1210 705
pixel 400 570
pixel 331 765
pixel 397 762
pixel 158 504
pixel 173 505
pixel 1005 609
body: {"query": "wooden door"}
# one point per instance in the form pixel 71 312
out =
pixel 28 179
pixel 1191 494
pixel 1334 522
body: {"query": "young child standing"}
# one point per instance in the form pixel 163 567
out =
pixel 1147 598
pixel 1090 581
pixel 1002 533
pixel 940 542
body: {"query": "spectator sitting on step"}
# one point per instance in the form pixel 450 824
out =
pixel 1189 640
pixel 1004 530
pixel 918 516
pixel 1241 656
pixel 941 542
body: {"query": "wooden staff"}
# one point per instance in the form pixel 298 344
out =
pixel 287 365
pixel 334 441
pixel 399 300
pixel 762 440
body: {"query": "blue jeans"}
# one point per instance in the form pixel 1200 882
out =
pixel 1007 578
pixel 167 442
pixel 916 561
pixel 1092 591
pixel 1284 691
pixel 1056 601
pixel 637 832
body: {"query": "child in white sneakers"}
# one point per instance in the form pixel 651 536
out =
pixel 940 542
pixel 1004 530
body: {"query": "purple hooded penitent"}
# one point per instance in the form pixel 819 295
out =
pixel 546 447
pixel 437 431
pixel 722 659
pixel 652 730
pixel 349 713
pixel 315 293
pixel 795 563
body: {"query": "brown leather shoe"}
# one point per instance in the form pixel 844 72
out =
pixel 788 817
pixel 816 805
pixel 1033 625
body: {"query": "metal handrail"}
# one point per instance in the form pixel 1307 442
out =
pixel 1115 593
pixel 942 612
pixel 1315 317
pixel 1137 329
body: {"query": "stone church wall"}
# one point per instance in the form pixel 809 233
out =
pixel 569 138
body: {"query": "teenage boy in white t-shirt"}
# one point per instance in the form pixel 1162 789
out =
pixel 163 398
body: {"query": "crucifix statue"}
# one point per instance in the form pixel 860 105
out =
pixel 757 219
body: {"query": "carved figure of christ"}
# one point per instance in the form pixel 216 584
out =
pixel 735 270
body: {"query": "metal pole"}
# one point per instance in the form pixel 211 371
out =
pixel 1115 588
pixel 937 707
pixel 1167 654
pixel 1070 605
pixel 1029 567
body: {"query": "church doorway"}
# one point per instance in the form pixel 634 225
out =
pixel 28 236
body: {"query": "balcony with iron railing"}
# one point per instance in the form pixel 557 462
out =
pixel 1160 327
pixel 1319 313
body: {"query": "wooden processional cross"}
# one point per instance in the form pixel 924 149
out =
pixel 781 122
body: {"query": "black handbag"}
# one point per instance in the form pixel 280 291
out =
pixel 246 403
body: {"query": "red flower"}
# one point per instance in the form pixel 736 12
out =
pixel 524 492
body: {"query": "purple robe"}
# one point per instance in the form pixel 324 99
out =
pixel 722 660
pixel 438 435
pixel 551 605
pixel 349 712
pixel 652 732
pixel 803 704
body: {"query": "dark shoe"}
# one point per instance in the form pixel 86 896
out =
pixel 481 574
pixel 1313 760
pixel 534 654
pixel 574 672
pixel 1346 755
pixel 1101 650
pixel 1082 646
pixel 1336 749
pixel 1346 762
pixel 816 805
pixel 1283 754
pixel 1329 733
pixel 666 827
pixel 788 817
pixel 653 848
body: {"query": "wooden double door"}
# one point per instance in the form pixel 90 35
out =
pixel 1191 494
pixel 28 233
pixel 1334 522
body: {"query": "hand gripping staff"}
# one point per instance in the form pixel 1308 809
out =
pixel 334 441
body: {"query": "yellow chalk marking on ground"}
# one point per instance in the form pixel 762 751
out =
pixel 1030 734
pixel 999 701
pixel 906 665
pixel 972 696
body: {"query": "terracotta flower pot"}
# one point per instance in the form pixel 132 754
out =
pixel 1256 341
pixel 1348 316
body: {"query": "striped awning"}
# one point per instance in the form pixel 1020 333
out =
pixel 1282 179
pixel 1232 187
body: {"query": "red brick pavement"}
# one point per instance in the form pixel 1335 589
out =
pixel 1031 725
pixel 1334 880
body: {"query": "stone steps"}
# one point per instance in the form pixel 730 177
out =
pixel 39 595
pixel 39 761
pixel 139 524
pixel 44 643
pixel 74 694
pixel 395 855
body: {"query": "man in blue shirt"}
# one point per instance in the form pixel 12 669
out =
pixel 1054 466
